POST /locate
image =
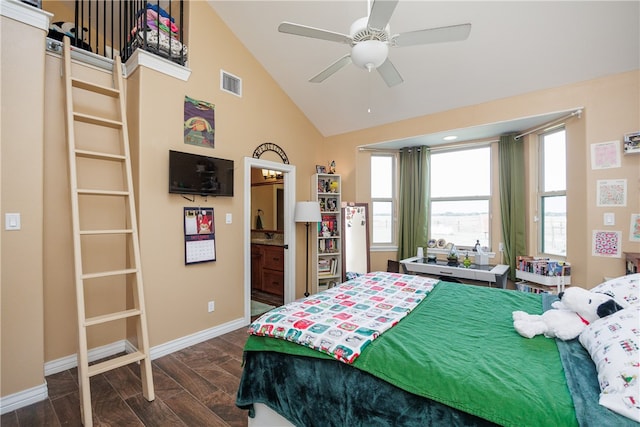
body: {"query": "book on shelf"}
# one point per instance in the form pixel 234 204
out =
pixel 543 266
pixel 327 267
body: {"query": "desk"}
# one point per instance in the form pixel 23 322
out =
pixel 485 273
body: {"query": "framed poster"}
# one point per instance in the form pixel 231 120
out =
pixel 606 243
pixel 605 155
pixel 611 192
pixel 634 228
pixel 199 235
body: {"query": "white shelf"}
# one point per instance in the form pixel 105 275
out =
pixel 543 280
pixel 331 200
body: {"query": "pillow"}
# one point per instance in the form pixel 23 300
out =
pixel 624 290
pixel 614 345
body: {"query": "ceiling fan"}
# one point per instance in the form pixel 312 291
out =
pixel 370 39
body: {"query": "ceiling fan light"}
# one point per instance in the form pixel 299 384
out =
pixel 369 54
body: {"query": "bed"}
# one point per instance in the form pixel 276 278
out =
pixel 453 358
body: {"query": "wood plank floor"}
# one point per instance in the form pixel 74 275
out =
pixel 194 387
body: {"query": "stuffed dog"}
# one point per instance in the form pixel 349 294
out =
pixel 576 309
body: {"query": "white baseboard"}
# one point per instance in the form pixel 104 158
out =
pixel 27 397
pixel 71 361
pixel 23 398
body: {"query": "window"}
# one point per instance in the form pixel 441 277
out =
pixel 553 193
pixel 382 198
pixel 461 196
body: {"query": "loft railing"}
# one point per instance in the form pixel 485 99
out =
pixel 113 27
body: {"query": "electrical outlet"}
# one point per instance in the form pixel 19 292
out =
pixel 501 247
pixel 211 306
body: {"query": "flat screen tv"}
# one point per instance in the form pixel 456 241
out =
pixel 195 174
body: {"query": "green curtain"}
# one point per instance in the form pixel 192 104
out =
pixel 413 200
pixel 512 200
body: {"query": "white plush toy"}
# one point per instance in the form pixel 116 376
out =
pixel 576 309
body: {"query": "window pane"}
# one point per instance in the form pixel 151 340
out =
pixel 382 222
pixel 461 173
pixel 461 222
pixel 381 177
pixel 555 162
pixel 554 225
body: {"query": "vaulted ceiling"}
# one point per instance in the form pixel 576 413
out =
pixel 514 47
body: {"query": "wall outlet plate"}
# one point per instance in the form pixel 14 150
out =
pixel 609 218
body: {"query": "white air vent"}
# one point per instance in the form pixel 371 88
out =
pixel 230 83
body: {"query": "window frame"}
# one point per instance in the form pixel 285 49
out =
pixel 393 200
pixel 542 194
pixel 488 198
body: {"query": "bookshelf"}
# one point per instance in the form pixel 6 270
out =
pixel 326 189
pixel 542 274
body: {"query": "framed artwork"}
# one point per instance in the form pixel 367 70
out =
pixel 199 235
pixel 199 123
pixel 634 228
pixel 321 169
pixel 606 243
pixel 632 143
pixel 611 192
pixel 605 155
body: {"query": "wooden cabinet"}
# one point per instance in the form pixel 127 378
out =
pixel 267 268
pixel 326 188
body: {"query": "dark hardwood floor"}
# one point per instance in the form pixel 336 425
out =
pixel 195 386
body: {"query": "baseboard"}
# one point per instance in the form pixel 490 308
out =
pixel 71 361
pixel 198 337
pixel 23 398
pixel 27 397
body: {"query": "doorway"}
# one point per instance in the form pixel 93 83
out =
pixel 287 197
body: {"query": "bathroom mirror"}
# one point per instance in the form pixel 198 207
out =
pixel 355 238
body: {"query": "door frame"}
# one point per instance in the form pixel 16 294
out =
pixel 289 182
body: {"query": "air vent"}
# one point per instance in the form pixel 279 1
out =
pixel 230 83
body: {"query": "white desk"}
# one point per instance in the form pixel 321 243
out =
pixel 485 273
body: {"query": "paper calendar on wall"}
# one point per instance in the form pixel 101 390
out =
pixel 199 235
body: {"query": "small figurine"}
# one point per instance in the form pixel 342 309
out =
pixel 332 167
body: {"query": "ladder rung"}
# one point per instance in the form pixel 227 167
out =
pixel 94 120
pixel 111 317
pixel 103 192
pixel 92 87
pixel 92 232
pixel 98 155
pixel 109 273
pixel 114 363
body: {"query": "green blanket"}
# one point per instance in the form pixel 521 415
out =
pixel 459 348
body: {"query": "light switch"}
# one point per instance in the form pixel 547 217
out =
pixel 229 219
pixel 12 221
pixel 609 218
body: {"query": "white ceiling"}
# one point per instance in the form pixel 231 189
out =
pixel 514 47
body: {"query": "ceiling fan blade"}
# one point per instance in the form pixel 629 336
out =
pixel 432 35
pixel 381 11
pixel 314 33
pixel 389 74
pixel 331 69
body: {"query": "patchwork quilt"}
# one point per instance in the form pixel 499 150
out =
pixel 343 320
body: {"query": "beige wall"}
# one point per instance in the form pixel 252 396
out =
pixel 611 109
pixel 177 294
pixel 21 151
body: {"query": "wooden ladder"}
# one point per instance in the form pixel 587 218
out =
pixel 130 275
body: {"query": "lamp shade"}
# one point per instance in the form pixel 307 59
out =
pixel 307 212
pixel 369 54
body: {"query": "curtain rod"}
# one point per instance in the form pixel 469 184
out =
pixel 577 112
pixel 436 148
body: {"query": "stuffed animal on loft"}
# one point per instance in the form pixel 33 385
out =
pixel 59 29
pixel 569 317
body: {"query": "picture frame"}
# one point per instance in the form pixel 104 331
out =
pixel 321 169
pixel 611 192
pixel 632 143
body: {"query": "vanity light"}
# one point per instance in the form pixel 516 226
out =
pixel 450 138
pixel 271 174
